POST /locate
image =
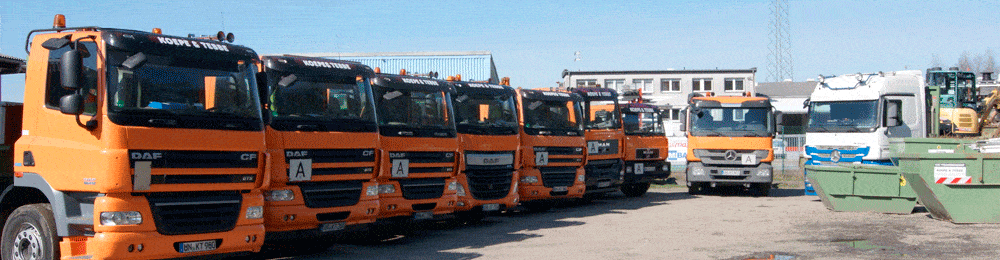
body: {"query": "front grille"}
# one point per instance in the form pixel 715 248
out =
pixel 194 159
pixel 202 179
pixel 560 150
pixel 420 189
pixel 424 206
pixel 331 194
pixel 718 156
pixel 179 213
pixel 424 157
pixel 489 184
pixel 332 155
pixel 565 160
pixel 557 176
pixel 603 169
pixel 334 216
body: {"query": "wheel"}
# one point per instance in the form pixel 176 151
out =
pixel 696 188
pixel 760 189
pixel 537 206
pixel 30 233
pixel 635 190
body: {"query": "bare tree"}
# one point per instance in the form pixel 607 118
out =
pixel 936 61
pixel 989 61
pixel 964 62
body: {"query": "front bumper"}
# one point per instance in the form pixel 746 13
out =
pixel 285 219
pixel 538 191
pixel 116 245
pixel 735 174
pixel 646 171
pixel 603 176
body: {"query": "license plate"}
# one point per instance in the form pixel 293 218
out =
pixel 197 246
pixel 604 184
pixel 560 188
pixel 423 215
pixel 731 172
pixel 491 207
pixel 327 227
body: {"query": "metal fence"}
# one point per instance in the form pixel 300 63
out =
pixel 787 151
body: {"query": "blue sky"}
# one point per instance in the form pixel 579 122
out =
pixel 534 41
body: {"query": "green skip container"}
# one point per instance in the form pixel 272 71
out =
pixel 862 188
pixel 952 179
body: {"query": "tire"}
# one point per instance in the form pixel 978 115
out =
pixel 760 189
pixel 635 190
pixel 32 230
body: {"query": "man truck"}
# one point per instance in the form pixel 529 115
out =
pixel 729 142
pixel 646 146
pixel 133 145
pixel 322 135
pixel 552 138
pixel 486 120
pixel 604 135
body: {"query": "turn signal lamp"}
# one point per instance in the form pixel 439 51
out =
pixel 59 21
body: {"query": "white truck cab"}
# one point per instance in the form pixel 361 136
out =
pixel 852 117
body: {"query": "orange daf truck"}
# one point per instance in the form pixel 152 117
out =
pixel 645 148
pixel 133 145
pixel 604 134
pixel 553 146
pixel 729 142
pixel 322 135
pixel 486 121
pixel 418 147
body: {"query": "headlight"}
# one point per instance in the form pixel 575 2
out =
pixel 453 185
pixel 371 190
pixel 119 218
pixel 697 170
pixel 280 195
pixel 386 189
pixel 764 172
pixel 581 178
pixel 529 179
pixel 460 191
pixel 255 212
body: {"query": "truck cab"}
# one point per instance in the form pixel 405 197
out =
pixel 645 148
pixel 134 145
pixel 852 117
pixel 486 120
pixel 729 142
pixel 552 138
pixel 418 147
pixel 604 134
pixel 322 135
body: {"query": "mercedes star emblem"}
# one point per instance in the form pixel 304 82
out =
pixel 835 156
pixel 731 155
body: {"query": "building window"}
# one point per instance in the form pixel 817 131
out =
pixel 646 85
pixel 582 83
pixel 733 84
pixel 701 85
pixel 673 114
pixel 670 85
pixel 616 84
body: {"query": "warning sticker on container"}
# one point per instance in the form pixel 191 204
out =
pixel 951 173
pixel 940 151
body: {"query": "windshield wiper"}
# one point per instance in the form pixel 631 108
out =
pixel 711 133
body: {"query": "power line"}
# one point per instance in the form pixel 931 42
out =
pixel 780 56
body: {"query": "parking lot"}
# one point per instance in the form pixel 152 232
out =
pixel 667 223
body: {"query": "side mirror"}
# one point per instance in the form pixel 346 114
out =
pixel 892 113
pixel 71 104
pixel 805 104
pixel 777 122
pixel 70 69
pixel 683 118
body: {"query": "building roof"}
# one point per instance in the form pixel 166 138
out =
pixel 11 65
pixel 632 72
pixel 786 89
pixel 472 65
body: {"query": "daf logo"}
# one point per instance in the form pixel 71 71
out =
pixel 835 156
pixel 296 153
pixel 397 155
pixel 248 156
pixel 731 155
pixel 146 156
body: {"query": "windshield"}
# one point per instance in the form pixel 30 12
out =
pixel 647 123
pixel 601 115
pixel 321 99
pixel 413 109
pixel 175 89
pixel 551 114
pixel 843 116
pixel 731 122
pixel 485 114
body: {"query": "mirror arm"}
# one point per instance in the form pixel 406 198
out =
pixel 90 125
